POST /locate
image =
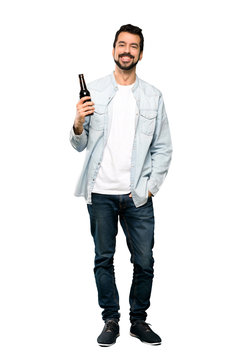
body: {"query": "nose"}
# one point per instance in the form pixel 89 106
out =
pixel 128 49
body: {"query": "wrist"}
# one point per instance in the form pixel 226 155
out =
pixel 77 129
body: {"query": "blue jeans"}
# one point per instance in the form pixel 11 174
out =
pixel 138 226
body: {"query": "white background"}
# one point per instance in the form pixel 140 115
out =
pixel 48 297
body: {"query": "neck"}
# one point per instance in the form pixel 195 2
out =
pixel 125 77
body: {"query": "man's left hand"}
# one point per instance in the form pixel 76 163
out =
pixel 149 194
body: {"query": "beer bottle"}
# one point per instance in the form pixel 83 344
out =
pixel 83 88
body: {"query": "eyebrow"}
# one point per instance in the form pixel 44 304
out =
pixel 123 42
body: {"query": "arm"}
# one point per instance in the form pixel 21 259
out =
pixel 160 149
pixel 79 141
pixel 80 129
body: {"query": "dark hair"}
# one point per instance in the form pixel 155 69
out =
pixel 132 30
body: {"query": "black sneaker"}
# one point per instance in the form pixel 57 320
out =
pixel 109 334
pixel 141 330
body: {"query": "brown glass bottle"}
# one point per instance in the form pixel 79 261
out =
pixel 83 88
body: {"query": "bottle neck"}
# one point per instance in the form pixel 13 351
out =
pixel 82 82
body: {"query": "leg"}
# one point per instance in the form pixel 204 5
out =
pixel 138 226
pixel 104 228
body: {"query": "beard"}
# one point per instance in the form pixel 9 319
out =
pixel 126 67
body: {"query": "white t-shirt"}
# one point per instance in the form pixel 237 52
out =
pixel 114 173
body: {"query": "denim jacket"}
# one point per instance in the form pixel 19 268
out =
pixel 152 147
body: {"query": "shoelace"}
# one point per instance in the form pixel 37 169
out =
pixel 146 326
pixel 110 326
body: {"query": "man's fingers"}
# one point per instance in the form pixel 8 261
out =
pixel 85 98
pixel 149 194
pixel 89 112
pixel 88 103
pixel 89 108
pixel 81 109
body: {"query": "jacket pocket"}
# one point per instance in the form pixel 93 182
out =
pixel 97 119
pixel 147 121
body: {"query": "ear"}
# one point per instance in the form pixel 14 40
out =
pixel 113 52
pixel 141 55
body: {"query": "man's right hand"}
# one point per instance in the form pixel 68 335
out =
pixel 84 108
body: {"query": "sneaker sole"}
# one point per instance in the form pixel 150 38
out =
pixel 107 345
pixel 145 342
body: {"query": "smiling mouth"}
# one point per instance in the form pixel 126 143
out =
pixel 126 58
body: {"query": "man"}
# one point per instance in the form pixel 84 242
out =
pixel 125 131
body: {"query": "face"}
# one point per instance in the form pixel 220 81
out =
pixel 126 53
